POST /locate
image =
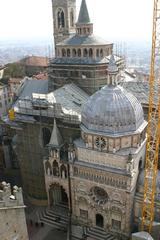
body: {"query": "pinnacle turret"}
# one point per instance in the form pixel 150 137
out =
pixel 112 71
pixel 56 138
pixel 112 67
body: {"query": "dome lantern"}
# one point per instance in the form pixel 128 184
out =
pixel 112 71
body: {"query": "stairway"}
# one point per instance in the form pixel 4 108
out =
pixel 55 217
pixel 99 234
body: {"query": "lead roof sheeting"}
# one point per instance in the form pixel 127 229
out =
pixel 81 61
pixel 77 40
pixel 70 97
pixel 33 86
pixel 139 89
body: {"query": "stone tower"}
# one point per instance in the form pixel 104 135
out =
pixel 64 17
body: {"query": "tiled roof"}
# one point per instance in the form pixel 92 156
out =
pixel 30 86
pixel 15 80
pixel 41 76
pixel 139 89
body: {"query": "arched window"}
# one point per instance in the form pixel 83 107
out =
pixel 55 169
pixel 85 53
pixel 79 52
pixel 74 52
pixel 97 52
pixel 63 171
pixel 46 135
pixel 48 168
pixel 101 53
pixel 68 53
pixel 63 52
pixel 60 18
pixel 72 18
pixel 90 53
pixel 107 51
pixel 58 53
pixel 140 165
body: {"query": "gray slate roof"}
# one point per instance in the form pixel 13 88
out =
pixel 78 40
pixel 65 102
pixel 83 14
pixel 139 89
pixel 30 86
pixel 83 61
pixel 70 97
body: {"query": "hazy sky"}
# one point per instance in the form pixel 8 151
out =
pixel 113 19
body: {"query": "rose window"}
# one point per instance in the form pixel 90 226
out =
pixel 100 142
pixel 99 195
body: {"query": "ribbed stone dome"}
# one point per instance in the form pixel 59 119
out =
pixel 112 110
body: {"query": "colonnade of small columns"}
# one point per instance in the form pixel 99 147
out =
pixel 83 52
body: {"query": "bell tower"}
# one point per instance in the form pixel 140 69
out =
pixel 64 18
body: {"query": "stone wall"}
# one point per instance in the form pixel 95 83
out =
pixel 90 78
pixel 118 206
pixel 12 215
pixel 31 151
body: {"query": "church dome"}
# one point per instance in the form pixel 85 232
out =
pixel 112 110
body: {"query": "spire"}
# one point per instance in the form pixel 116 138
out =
pixel 112 67
pixel 56 138
pixel 84 27
pixel 83 14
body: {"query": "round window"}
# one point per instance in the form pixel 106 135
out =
pixel 100 142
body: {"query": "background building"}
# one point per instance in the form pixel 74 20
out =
pixel 89 161
pixel 4 99
pixel 12 215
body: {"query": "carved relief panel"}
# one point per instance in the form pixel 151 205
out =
pixel 126 142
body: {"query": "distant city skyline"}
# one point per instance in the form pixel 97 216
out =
pixel 113 19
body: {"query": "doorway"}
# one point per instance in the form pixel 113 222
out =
pixel 57 195
pixel 99 221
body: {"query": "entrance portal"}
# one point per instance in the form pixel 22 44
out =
pixel 57 195
pixel 99 220
pixel 64 197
